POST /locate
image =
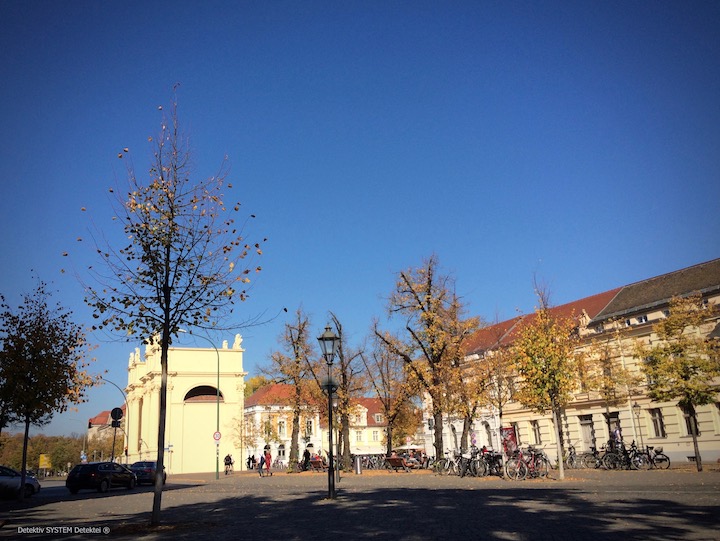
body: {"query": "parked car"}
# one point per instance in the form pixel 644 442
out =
pixel 10 482
pixel 146 472
pixel 100 476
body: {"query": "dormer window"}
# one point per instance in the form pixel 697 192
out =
pixel 642 319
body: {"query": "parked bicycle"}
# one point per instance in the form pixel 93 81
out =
pixel 493 462
pixel 449 465
pixel 531 463
pixel 624 458
pixel 571 459
pixel 592 459
pixel 656 457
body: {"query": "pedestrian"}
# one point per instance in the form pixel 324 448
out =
pixel 268 462
pixel 306 460
pixel 228 464
pixel 617 433
pixel 261 465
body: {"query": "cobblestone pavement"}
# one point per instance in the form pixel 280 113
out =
pixel 588 504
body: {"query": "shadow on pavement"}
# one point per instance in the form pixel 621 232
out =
pixel 419 514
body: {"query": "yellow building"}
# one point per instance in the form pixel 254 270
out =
pixel 204 397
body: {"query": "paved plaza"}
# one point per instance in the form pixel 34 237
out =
pixel 588 504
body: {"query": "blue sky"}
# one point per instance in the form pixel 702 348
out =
pixel 575 141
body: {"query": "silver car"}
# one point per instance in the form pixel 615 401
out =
pixel 10 482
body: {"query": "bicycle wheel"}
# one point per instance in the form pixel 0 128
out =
pixel 542 466
pixel 661 461
pixel 641 461
pixel 612 461
pixel 478 467
pixel 440 466
pixel 589 461
pixel 516 469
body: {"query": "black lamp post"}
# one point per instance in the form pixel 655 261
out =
pixel 637 410
pixel 329 343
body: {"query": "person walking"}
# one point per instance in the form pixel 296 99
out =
pixel 268 462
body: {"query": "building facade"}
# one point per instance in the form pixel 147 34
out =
pixel 205 402
pixel 615 320
pixel 269 421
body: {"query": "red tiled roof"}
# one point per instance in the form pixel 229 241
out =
pixel 270 395
pixel 504 333
pixel 103 418
pixel 373 406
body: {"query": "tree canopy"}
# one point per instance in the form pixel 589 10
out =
pixel 684 365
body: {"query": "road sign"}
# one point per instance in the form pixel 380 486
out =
pixel 116 414
pixel 216 436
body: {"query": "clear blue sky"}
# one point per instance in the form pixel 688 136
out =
pixel 579 141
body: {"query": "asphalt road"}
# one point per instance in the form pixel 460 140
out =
pixel 623 506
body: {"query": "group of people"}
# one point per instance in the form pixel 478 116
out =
pixel 263 466
pixel 307 457
pixel 413 458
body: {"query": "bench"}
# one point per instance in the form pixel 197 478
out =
pixel 317 465
pixel 395 463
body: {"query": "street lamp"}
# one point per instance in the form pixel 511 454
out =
pixel 636 410
pixel 217 402
pixel 329 343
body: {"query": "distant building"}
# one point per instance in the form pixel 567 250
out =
pixel 196 406
pixel 268 421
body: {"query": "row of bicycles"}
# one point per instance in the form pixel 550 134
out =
pixel 614 456
pixel 477 462
pixel 532 462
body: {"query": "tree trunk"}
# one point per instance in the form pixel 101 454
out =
pixel 295 438
pixel 157 496
pixel 346 451
pixel 694 430
pixel 467 421
pixel 23 469
pixel 439 447
pixel 558 443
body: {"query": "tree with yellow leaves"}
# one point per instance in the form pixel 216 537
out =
pixel 546 361
pixel 186 262
pixel 432 340
pixel 684 365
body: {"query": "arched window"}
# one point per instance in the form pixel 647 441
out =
pixel 203 393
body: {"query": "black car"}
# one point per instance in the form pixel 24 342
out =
pixel 100 476
pixel 146 472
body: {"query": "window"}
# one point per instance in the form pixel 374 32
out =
pixel 488 434
pixel 689 423
pixel 375 435
pixel 378 418
pixel 657 423
pixel 281 451
pixel 308 427
pixel 535 426
pixel 516 429
pixel 358 435
pixel 281 429
pixel 642 319
pixel 358 419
